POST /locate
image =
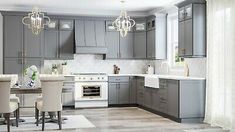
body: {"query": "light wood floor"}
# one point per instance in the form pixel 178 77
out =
pixel 130 119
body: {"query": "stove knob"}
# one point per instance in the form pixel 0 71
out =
pixel 84 78
pixel 91 78
pixel 79 78
pixel 98 77
pixel 102 77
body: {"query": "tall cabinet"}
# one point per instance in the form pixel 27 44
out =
pixel 192 29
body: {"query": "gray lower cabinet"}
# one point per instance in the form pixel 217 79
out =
pixel 112 41
pixel 155 99
pixel 147 97
pixel 140 45
pixel 119 90
pixel 133 90
pixel 173 98
pixel 140 90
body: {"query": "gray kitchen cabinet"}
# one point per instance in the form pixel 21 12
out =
pixel 13 66
pixel 33 44
pixel 113 93
pixel 151 44
pixel 119 90
pixel 53 25
pixel 140 91
pixel 38 62
pixel 140 45
pixel 133 90
pixel 124 93
pixel 155 99
pixel 147 97
pixel 126 46
pixel 90 33
pixel 51 44
pixel 66 44
pixel 68 99
pixel 112 41
pixel 13 36
pixel 173 98
pixel 66 24
pixel 192 29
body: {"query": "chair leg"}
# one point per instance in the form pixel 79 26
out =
pixel 17 117
pixel 35 110
pixel 7 116
pixel 18 110
pixel 59 120
pixel 43 120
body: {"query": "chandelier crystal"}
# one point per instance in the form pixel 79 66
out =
pixel 36 21
pixel 123 23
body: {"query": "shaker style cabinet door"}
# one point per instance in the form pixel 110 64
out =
pixel 113 93
pixel 126 46
pixel 100 33
pixel 188 37
pixel 140 45
pixel 80 33
pixel 66 43
pixel 173 98
pixel 112 42
pixel 51 44
pixel 148 97
pixel 13 66
pixel 90 33
pixel 124 93
pixel 33 44
pixel 151 44
pixel 13 36
pixel 181 46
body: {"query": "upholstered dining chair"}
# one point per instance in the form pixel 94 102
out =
pixel 6 106
pixel 51 98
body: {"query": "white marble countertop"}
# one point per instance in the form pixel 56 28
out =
pixel 161 76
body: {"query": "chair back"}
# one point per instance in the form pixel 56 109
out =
pixel 5 90
pixel 51 92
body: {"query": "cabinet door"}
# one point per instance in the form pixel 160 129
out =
pixel 13 66
pixel 181 14
pixel 66 43
pixel 140 45
pixel 124 93
pixel 188 37
pixel 113 93
pixel 147 97
pixel 53 25
pixel 155 99
pixel 140 91
pixel 90 33
pixel 188 12
pixel 133 90
pixel 13 36
pixel 68 99
pixel 33 44
pixel 126 46
pixel 151 44
pixel 100 33
pixel 112 42
pixel 181 48
pixel 80 33
pixel 51 44
pixel 109 26
pixel 173 98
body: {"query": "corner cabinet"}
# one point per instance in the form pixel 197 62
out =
pixel 192 29
pixel 156 37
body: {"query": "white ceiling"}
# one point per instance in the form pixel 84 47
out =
pixel 85 6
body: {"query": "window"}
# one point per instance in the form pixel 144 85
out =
pixel 175 60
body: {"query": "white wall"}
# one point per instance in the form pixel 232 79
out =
pixel 88 63
pixel 1 43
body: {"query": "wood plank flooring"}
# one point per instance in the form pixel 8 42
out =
pixel 130 119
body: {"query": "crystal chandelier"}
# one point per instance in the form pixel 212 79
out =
pixel 36 21
pixel 123 23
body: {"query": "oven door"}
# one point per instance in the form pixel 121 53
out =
pixel 91 91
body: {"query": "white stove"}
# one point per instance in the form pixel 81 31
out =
pixel 91 90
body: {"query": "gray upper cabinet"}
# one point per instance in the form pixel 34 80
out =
pixel 13 66
pixel 33 44
pixel 13 36
pixel 53 25
pixel 156 37
pixel 51 38
pixel 140 45
pixel 109 26
pixel 66 24
pixel 112 41
pixel 38 62
pixel 126 46
pixel 192 29
pixel 90 33
pixel 66 44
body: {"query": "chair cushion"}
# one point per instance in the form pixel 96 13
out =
pixel 13 98
pixel 13 106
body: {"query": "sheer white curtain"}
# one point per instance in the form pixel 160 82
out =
pixel 220 103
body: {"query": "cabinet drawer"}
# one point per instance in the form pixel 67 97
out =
pixel 118 79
